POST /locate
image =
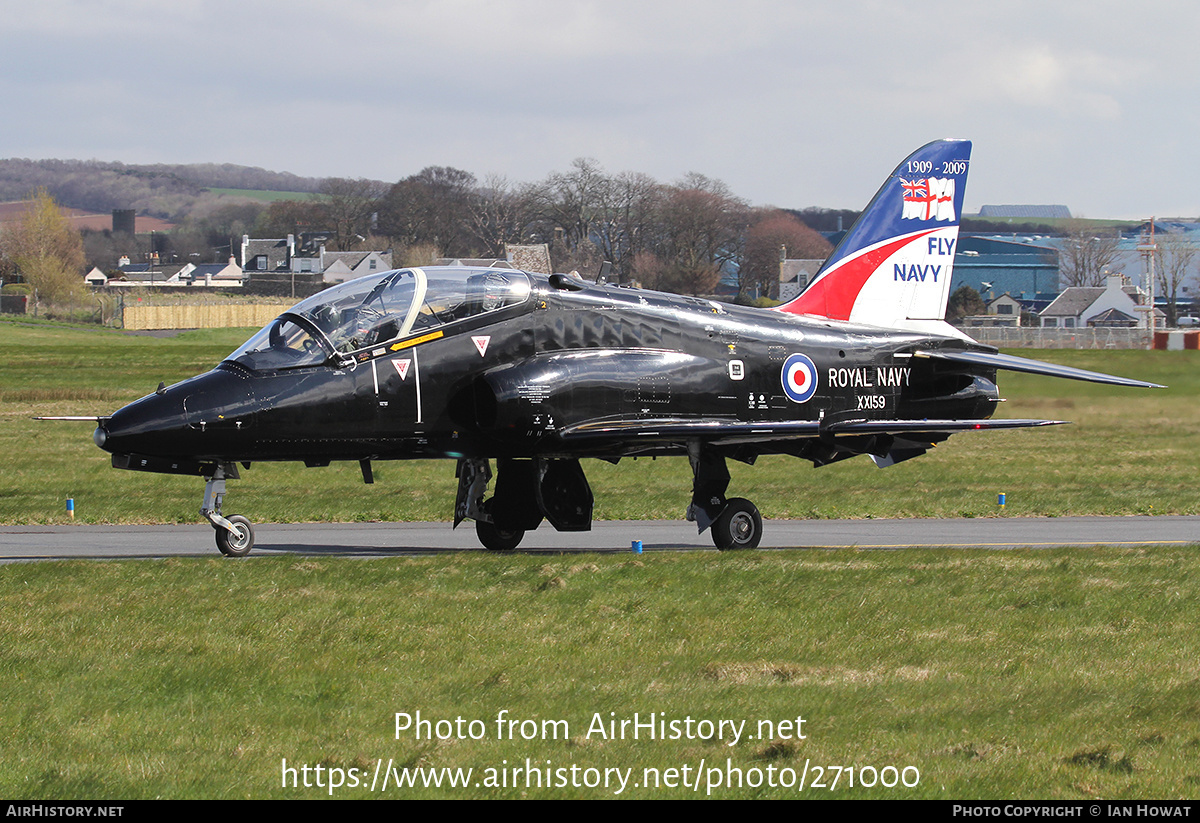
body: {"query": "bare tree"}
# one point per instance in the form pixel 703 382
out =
pixel 649 271
pixel 349 207
pixel 498 214
pixel 1173 261
pixel 284 217
pixel 585 207
pixel 771 230
pixel 1085 255
pixel 700 228
pixel 585 258
pixel 432 206
pixel 573 202
pixel 104 249
pixel 623 227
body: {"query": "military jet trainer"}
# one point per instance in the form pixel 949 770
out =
pixel 514 377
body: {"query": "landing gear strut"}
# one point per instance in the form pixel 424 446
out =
pixel 735 522
pixel 235 534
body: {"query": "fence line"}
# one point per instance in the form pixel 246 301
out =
pixel 1035 337
pixel 204 316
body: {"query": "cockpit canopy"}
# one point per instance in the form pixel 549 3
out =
pixel 377 309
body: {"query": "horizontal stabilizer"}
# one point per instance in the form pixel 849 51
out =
pixel 1010 362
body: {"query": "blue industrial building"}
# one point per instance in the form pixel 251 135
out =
pixel 1021 265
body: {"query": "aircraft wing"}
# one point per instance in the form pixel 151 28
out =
pixel 734 431
pixel 1010 362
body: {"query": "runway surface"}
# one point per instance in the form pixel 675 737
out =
pixel 388 539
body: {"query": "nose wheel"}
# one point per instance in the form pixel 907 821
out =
pixel 238 539
pixel 234 534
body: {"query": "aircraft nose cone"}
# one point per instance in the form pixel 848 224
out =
pixel 195 418
pixel 145 426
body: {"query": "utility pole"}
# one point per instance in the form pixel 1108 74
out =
pixel 1148 250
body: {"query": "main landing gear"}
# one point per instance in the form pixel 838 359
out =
pixel 738 526
pixel 235 534
pixel 555 489
pixel 528 491
pixel 497 539
pixel 735 522
pixel 497 528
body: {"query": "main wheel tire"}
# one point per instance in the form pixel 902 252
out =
pixel 240 541
pixel 739 526
pixel 498 540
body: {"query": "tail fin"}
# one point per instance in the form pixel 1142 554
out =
pixel 892 269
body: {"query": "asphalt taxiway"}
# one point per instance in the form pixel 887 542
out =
pixel 384 539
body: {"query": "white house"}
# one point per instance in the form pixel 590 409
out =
pixel 1115 304
pixel 337 266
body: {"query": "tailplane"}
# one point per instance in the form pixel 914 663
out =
pixel 892 269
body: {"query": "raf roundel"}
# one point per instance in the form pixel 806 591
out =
pixel 799 378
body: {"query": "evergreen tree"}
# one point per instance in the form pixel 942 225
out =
pixel 965 302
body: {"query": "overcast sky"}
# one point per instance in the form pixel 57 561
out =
pixel 1091 104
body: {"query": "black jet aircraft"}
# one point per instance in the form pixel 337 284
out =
pixel 528 374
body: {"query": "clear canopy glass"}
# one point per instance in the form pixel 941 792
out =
pixel 377 309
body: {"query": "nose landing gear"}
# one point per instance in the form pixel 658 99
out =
pixel 234 534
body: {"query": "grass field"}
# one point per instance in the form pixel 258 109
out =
pixel 265 195
pixel 1014 674
pixel 1032 674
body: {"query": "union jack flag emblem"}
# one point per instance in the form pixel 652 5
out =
pixel 929 198
pixel 915 189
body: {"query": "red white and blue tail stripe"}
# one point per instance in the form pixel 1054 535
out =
pixel 893 267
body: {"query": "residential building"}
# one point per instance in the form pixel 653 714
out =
pixel 337 266
pixel 794 277
pixel 1116 304
pixel 287 256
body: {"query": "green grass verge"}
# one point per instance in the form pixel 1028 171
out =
pixel 1047 674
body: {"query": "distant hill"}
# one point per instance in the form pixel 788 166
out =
pixel 161 190
pixel 14 212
